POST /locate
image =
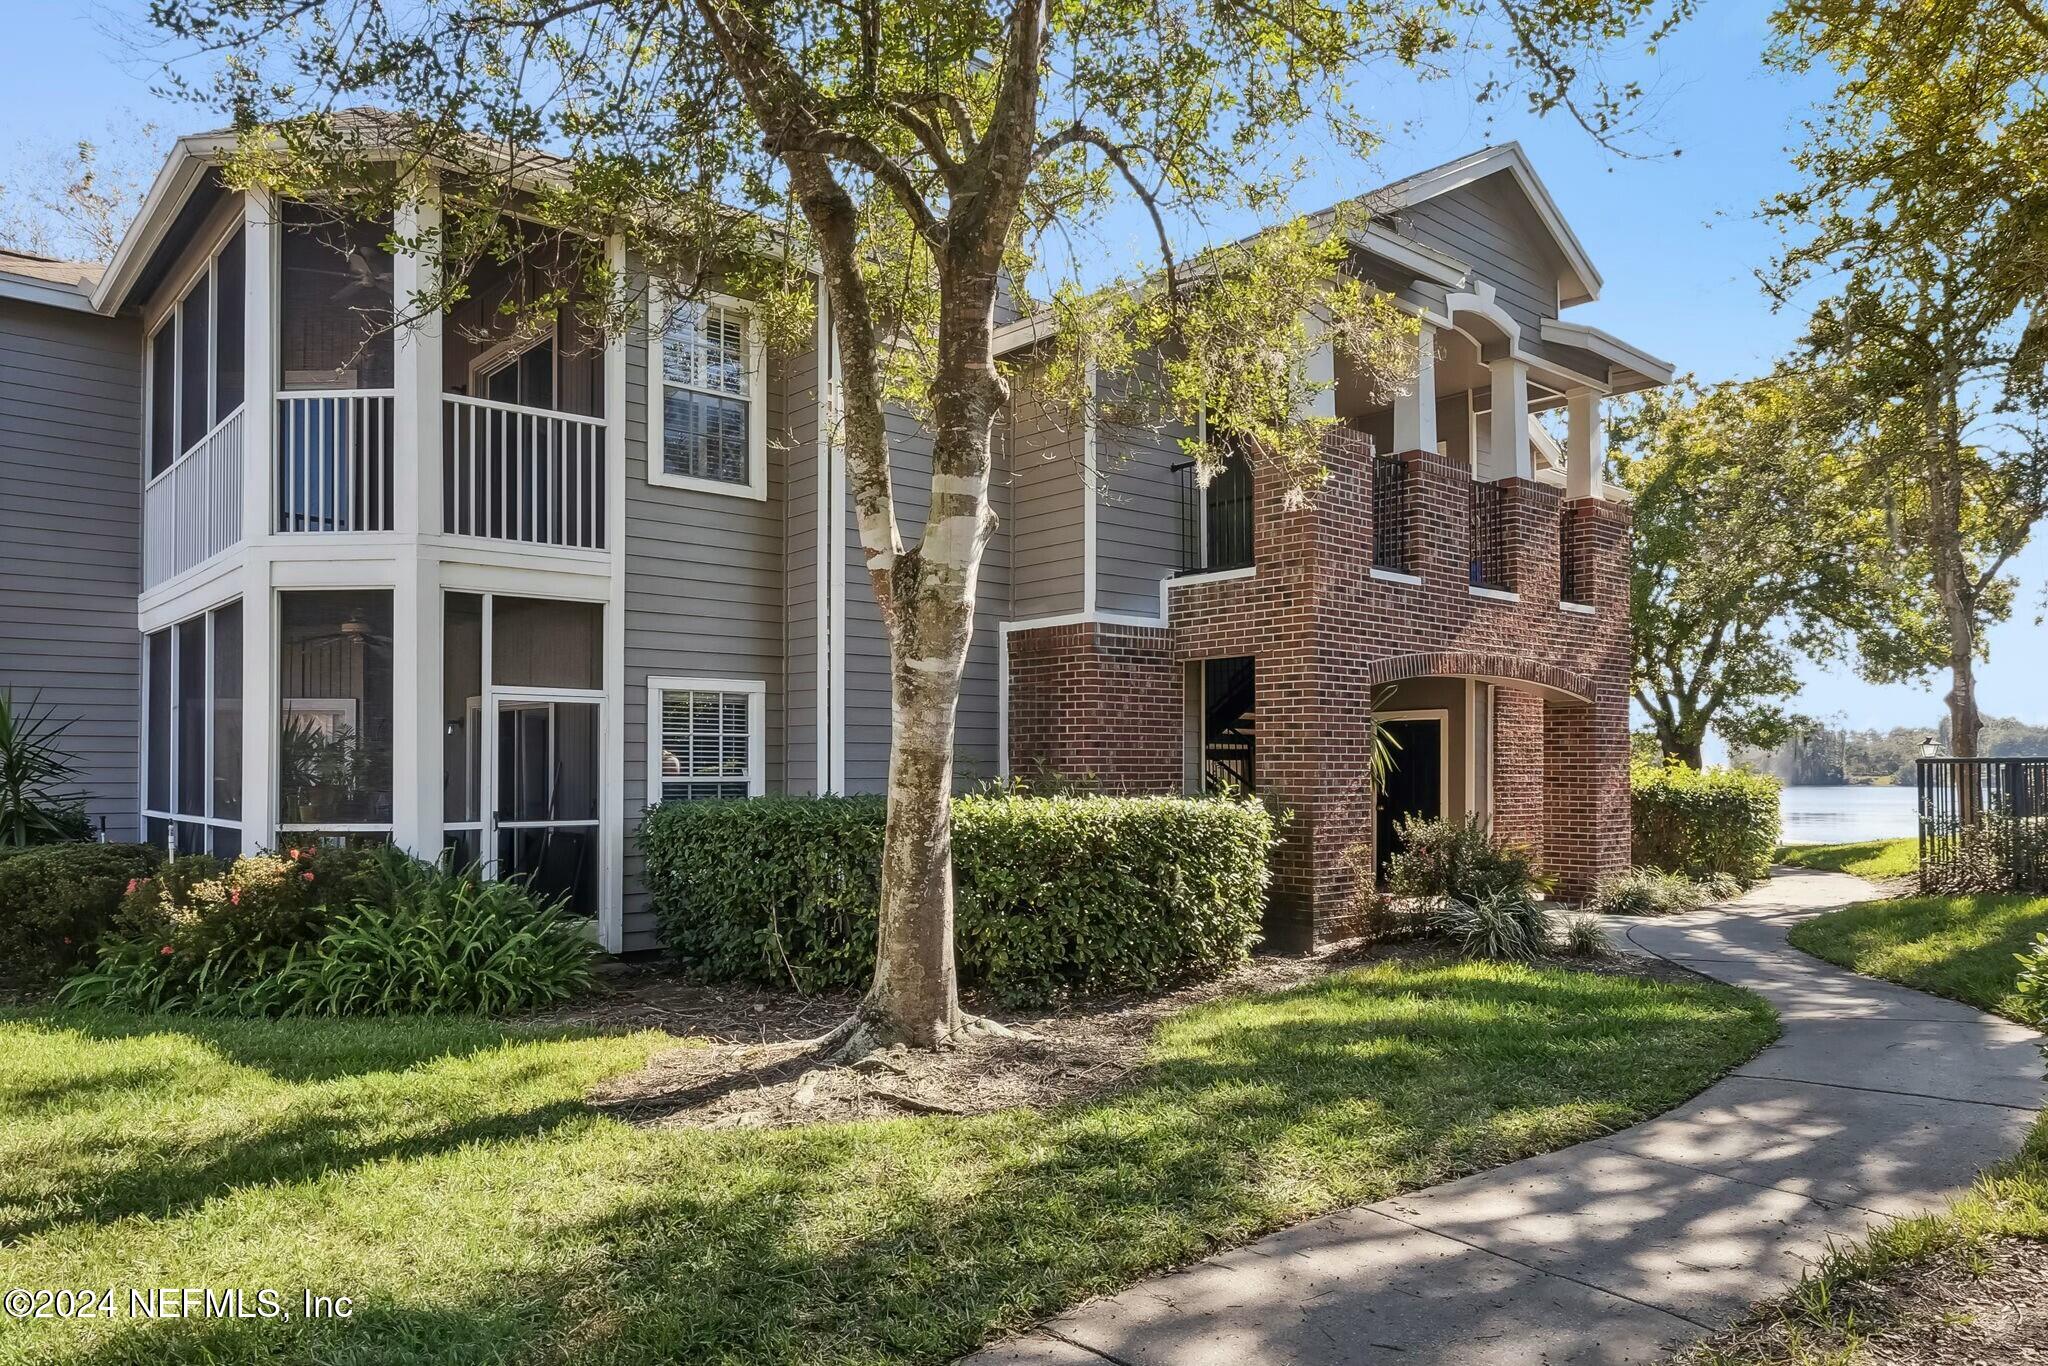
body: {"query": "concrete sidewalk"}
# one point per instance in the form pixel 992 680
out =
pixel 1876 1101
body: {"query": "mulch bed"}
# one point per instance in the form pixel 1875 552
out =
pixel 762 1068
pixel 1985 1307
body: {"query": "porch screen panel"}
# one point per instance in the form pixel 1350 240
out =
pixel 157 722
pixel 335 310
pixel 335 718
pixel 462 687
pixel 545 643
pixel 230 307
pixel 227 713
pixel 195 377
pixel 191 717
pixel 163 397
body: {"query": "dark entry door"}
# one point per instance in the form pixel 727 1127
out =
pixel 1415 785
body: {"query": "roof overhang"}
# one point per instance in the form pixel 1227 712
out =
pixel 1635 368
pixel 189 160
pixel 29 289
pixel 1422 261
pixel 1582 284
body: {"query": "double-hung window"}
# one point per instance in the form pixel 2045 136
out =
pixel 707 418
pixel 706 739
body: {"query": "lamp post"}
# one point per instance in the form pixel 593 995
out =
pixel 1930 748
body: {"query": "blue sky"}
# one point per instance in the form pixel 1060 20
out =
pixel 1675 236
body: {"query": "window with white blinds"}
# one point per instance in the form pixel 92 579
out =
pixel 708 412
pixel 705 739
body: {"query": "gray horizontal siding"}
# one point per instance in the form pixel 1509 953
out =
pixel 704 598
pixel 1140 500
pixel 70 547
pixel 1489 226
pixel 1046 505
pixel 866 704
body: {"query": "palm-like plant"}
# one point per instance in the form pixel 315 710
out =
pixel 36 803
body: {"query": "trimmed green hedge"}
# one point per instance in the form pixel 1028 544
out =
pixel 1704 821
pixel 57 899
pixel 1051 894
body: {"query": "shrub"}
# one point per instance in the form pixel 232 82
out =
pixel 335 932
pixel 201 932
pixel 57 899
pixel 1586 937
pixel 1379 915
pixel 1051 894
pixel 1996 854
pixel 1704 821
pixel 38 804
pixel 1497 924
pixel 1647 891
pixel 2031 986
pixel 1459 858
pixel 441 942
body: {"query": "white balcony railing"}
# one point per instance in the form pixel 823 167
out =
pixel 334 460
pixel 522 474
pixel 193 510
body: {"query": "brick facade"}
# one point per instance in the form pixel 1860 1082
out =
pixel 1107 701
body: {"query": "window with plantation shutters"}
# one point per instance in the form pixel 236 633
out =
pixel 706 741
pixel 707 413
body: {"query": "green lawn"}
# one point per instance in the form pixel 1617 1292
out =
pixel 449 1178
pixel 1871 858
pixel 1955 946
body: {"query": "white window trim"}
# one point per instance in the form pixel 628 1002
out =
pixel 756 690
pixel 756 487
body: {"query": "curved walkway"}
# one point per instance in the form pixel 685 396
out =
pixel 1875 1101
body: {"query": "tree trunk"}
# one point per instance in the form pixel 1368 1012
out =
pixel 915 997
pixel 1686 751
pixel 929 595
pixel 1965 722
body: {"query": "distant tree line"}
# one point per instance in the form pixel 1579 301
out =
pixel 1827 756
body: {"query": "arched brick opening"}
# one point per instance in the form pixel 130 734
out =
pixel 1562 685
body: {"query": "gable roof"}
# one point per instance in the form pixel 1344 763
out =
pixel 1582 282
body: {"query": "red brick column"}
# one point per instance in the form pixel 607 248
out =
pixel 1517 769
pixel 1301 617
pixel 1531 528
pixel 1586 750
pixel 1439 517
pixel 1098 704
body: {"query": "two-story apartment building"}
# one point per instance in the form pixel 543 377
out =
pixel 300 571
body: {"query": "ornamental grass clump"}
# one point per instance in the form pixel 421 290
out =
pixel 1648 891
pixel 442 942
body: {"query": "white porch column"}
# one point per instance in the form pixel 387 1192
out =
pixel 1322 370
pixel 259 521
pixel 611 931
pixel 1415 410
pixel 1585 445
pixel 1508 430
pixel 416 407
pixel 416 477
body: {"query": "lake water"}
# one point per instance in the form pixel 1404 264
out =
pixel 1845 815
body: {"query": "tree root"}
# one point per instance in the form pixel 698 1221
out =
pixel 858 1036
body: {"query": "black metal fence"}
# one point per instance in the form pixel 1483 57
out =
pixel 1390 513
pixel 1489 536
pixel 1984 821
